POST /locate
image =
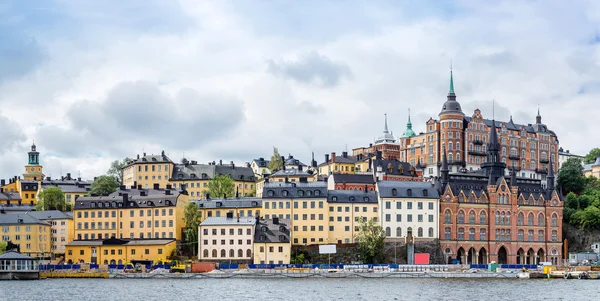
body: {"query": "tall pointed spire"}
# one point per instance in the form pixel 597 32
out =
pixel 444 169
pixel 451 91
pixel 550 176
pixel 538 118
pixel 409 131
pixel 385 129
pixel 451 106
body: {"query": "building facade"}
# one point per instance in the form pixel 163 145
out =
pixel 260 167
pixel 146 170
pixel 592 169
pixel 61 229
pixel 564 155
pixel 197 176
pixel 351 182
pixel 272 242
pixel 31 234
pixel 385 143
pixel 119 251
pixel 337 164
pixel 131 213
pixel 242 207
pixel 347 209
pixel 487 217
pixel 72 188
pixel 226 238
pixel 527 147
pixel 409 207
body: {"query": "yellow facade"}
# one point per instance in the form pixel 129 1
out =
pixel 33 173
pixel 121 253
pixel 345 218
pixel 32 235
pixel 345 168
pixel 147 173
pixel 198 188
pixel 21 192
pixel 308 217
pixel 132 222
pixel 272 253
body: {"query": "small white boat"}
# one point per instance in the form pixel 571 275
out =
pixel 523 275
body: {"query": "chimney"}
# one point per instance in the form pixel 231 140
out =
pixel 68 176
pixel 134 184
pixel 257 218
pixel 275 220
pixel 232 165
pixel 214 163
pixel 345 154
pixel 366 188
pixel 79 179
pixel 156 186
pixel 370 145
pixel 139 187
pixel 125 199
pixel 47 179
pixel 1 190
pixel 378 155
pixel 237 192
pixel 169 187
pixel 162 153
pixel 122 187
pixel 300 167
pixel 248 164
pixel 138 156
pixel 229 214
pixel 224 196
pixel 333 157
pixel 220 162
pixel 208 196
pixel 326 158
pixel 167 192
pixel 2 182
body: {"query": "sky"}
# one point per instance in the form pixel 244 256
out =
pixel 95 81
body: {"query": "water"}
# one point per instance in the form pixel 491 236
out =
pixel 299 289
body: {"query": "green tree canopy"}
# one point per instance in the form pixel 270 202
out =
pixel 51 198
pixel 191 218
pixel 570 178
pixel 116 168
pixel 276 163
pixel 3 245
pixel 371 240
pixel 104 185
pixel 221 185
pixel 592 155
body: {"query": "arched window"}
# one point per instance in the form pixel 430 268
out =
pixel 394 192
pixel 248 253
pixel 458 157
pixel 398 232
pixel 530 219
pixel 532 164
pixel 450 146
pixel 420 232
pixel 430 232
pixel 520 235
pixel 520 219
pixel 507 218
pixel 205 253
pixel 471 217
pixel 554 219
pixel 460 218
pixel 503 151
pixel 240 253
pixel 223 253
pixel 541 220
pixel 544 156
pixel 498 218
pixel 447 217
pixel 388 231
pixel 408 192
pixel 461 198
pixel 482 218
pixel 450 157
pixel 503 218
pixel 214 253
pixel 457 146
pixel 472 234
pixel 231 253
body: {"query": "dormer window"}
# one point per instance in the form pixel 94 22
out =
pixel 334 198
pixel 394 192
pixel 309 193
pixel 317 192
pixel 282 238
pixel 262 238
pixel 281 229
pixel 180 176
pixel 193 175
pixel 409 192
pixel 264 229
pixel 300 192
pixel 351 199
pixel 270 193
pixel 284 193
pixel 425 193
pixel 93 204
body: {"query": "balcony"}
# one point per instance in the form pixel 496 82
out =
pixel 455 162
pixel 514 157
pixel 516 168
pixel 544 161
pixel 541 170
pixel 477 142
pixel 476 153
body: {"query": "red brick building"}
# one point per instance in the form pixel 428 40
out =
pixel 486 217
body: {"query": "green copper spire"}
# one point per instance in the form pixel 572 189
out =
pixel 409 131
pixel 451 83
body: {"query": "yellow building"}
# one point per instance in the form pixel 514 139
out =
pixel 120 251
pixel 347 208
pixel 61 229
pixel 304 205
pixel 226 238
pixel 131 214
pixel 197 176
pixel 337 164
pixel 243 207
pixel 30 233
pixel 9 198
pixel 593 169
pixel 148 170
pixel 272 242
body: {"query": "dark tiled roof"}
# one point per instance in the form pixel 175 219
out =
pixel 290 160
pixel 398 168
pixel 12 255
pixel 120 242
pixel 208 172
pixel 29 185
pixel 418 189
pixel 291 172
pixel 22 218
pixel 351 196
pixel 17 208
pixel 251 202
pixel 135 199
pixel 295 190
pixel 10 196
pixel 68 185
pixel 350 178
pixel 49 215
pixel 510 125
pixel 341 159
pixel 261 162
pixel 275 233
pixel 162 158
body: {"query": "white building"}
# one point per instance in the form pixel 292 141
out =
pixel 226 238
pixel 564 155
pixel 62 227
pixel 409 206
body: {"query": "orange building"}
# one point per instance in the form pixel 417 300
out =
pixel 526 148
pixel 386 144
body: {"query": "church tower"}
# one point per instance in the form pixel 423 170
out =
pixel 33 169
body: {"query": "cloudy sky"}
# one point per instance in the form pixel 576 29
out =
pixel 94 81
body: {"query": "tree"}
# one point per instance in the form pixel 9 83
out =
pixel 371 240
pixel 3 245
pixel 104 185
pixel 570 178
pixel 221 185
pixel 191 218
pixel 51 198
pixel 276 162
pixel 592 155
pixel 116 169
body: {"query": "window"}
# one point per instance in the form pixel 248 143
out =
pixel 398 232
pixel 388 217
pixel 420 205
pixel 460 219
pixel 447 217
pixel 472 234
pixel 554 235
pixel 388 205
pixel 482 234
pixel 530 235
pixel 409 205
pixel 420 232
pixel 430 232
pixel 520 235
pixel 520 219
pixel 554 220
pixel 398 205
pixel 398 217
pixel 409 218
pixel 461 234
pixel 447 233
pixel 541 221
pixel 541 235
pixel 471 217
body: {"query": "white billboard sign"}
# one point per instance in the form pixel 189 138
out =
pixel 327 249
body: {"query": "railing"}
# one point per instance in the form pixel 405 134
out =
pixel 541 170
pixel 476 153
pixel 514 157
pixel 477 142
pixel 544 161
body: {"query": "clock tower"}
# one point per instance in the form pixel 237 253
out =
pixel 33 169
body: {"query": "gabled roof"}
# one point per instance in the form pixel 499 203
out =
pixel 162 158
pixel 134 199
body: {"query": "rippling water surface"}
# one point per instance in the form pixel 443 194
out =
pixel 300 289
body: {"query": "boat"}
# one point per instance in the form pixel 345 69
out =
pixel 523 275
